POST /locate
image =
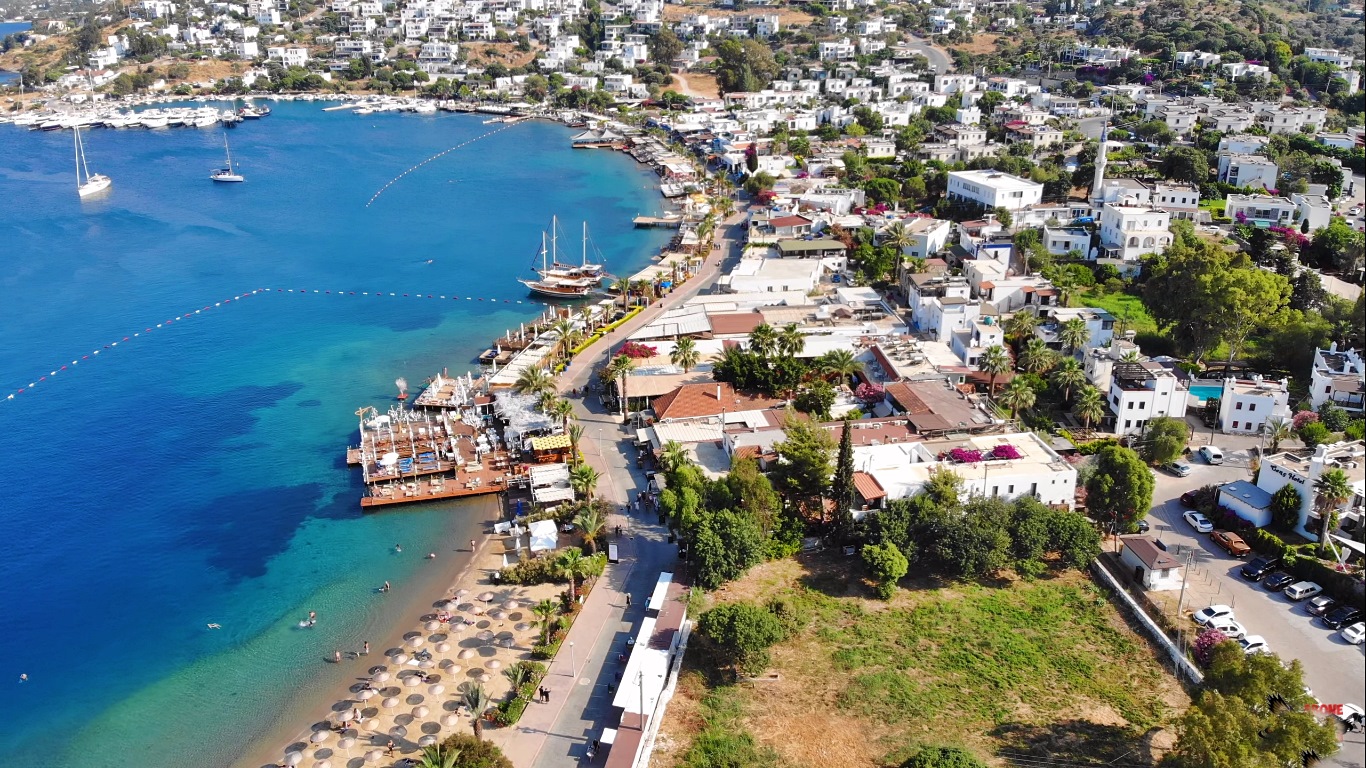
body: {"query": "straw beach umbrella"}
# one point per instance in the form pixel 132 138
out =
pixel 374 756
pixel 421 711
pixel 294 758
pixel 494 664
pixel 443 647
pixel 486 596
pixel 450 720
pixel 466 654
pixel 319 737
pixel 412 681
pixel 436 689
pixel 426 741
pixel 390 702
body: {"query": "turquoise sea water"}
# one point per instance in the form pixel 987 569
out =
pixel 194 474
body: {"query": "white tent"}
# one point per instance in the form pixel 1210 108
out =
pixel 544 537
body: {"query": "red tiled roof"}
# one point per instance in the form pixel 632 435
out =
pixel 730 323
pixel 868 487
pixel 789 221
pixel 695 400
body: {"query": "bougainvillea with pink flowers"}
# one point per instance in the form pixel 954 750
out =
pixel 870 392
pixel 1302 418
pixel 965 455
pixel 1006 451
pixel 637 351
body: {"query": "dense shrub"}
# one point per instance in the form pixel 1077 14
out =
pixel 475 753
pixel 1264 542
pixel 1204 644
pixel 943 757
pixel 510 711
pixel 536 570
pixel 1095 446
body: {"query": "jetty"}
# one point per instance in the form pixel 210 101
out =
pixel 667 222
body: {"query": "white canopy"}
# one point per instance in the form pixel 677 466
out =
pixel 544 536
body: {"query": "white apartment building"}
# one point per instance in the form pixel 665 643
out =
pixel 1142 391
pixel 1182 201
pixel 1246 404
pixel 928 237
pixel 290 57
pixel 994 189
pixel 1061 240
pixel 1248 171
pixel 1302 472
pixel 1242 144
pixel 1338 376
pixel 245 49
pixel 1129 232
pixel 922 289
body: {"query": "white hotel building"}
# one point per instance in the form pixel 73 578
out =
pixel 993 189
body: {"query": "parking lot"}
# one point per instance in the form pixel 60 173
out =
pixel 1334 670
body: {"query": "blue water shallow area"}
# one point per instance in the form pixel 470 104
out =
pixel 194 473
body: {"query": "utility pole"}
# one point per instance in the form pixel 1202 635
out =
pixel 1185 576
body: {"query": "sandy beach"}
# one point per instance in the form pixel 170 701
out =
pixel 413 675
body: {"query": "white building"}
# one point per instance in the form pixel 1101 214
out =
pixel 1154 568
pixel 1182 201
pixel 927 236
pixel 1128 232
pixel 773 275
pixel 1142 391
pixel 993 189
pixel 1303 471
pixel 290 57
pixel 1246 404
pixel 1248 171
pixel 1062 240
pixel 1339 376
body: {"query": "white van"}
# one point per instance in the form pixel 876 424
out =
pixel 1301 590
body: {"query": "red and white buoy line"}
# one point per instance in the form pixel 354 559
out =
pixel 94 354
pixel 437 156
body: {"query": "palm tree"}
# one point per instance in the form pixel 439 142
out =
pixel 791 341
pixel 534 381
pixel 437 756
pixel 685 354
pixel 623 287
pixel 1074 334
pixel 1065 283
pixel 1036 357
pixel 620 367
pixel 571 565
pixel 1330 491
pixel 673 456
pixel 993 362
pixel 517 674
pixel 591 524
pixel 1090 405
pixel 1021 325
pixel 548 402
pixel 1278 430
pixel 840 363
pixel 584 480
pixel 545 613
pixel 588 314
pixel 566 335
pixel 473 696
pixel 1067 375
pixel 641 287
pixel 575 433
pixel 563 410
pixel 763 340
pixel 896 236
pixel 1016 396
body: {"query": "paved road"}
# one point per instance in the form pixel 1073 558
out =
pixel 940 60
pixel 1334 670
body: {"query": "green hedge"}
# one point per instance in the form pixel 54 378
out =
pixel 510 711
pixel 603 331
pixel 1264 542
pixel 1344 587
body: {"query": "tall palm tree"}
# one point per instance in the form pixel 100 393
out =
pixel 1278 430
pixel 621 367
pixel 1090 405
pixel 584 480
pixel 562 410
pixel 840 363
pixel 1065 283
pixel 545 613
pixel 588 314
pixel 571 565
pixel 1067 375
pixel 642 288
pixel 1074 334
pixel 1016 396
pixel 517 674
pixel 1036 357
pixel 473 696
pixel 896 236
pixel 763 340
pixel 673 456
pixel 437 756
pixel 623 287
pixel 1132 356
pixel 1021 325
pixel 534 381
pixel 549 399
pixel 791 341
pixel 685 354
pixel 993 362
pixel 591 524
pixel 1330 491
pixel 575 432
pixel 566 336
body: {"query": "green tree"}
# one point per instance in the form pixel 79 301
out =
pixel 437 756
pixel 591 522
pixel 1090 405
pixel 584 480
pixel 1331 490
pixel 791 341
pixel 546 613
pixel 1120 489
pixel 534 381
pixel 886 565
pixel 572 565
pixel 1164 440
pixel 724 545
pixel 993 362
pixel 744 65
pixel 803 471
pixel 815 398
pixel 478 701
pixel 754 493
pixel 1314 434
pixel 882 190
pixel 665 46
pixel 684 354
pixel 673 456
pixel 840 364
pixel 1186 164
pixel 1278 431
pixel 763 340
pixel 743 633
pixel 842 490
pixel 1017 396
pixel 977 542
pixel 1336 246
pixel 1074 334
pixel 945 757
pixel 1021 325
pixel 1285 507
pixel 476 753
pixel 1068 375
pixel 1036 357
pixel 617 371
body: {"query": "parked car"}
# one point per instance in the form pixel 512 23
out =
pixel 1301 590
pixel 1254 644
pixel 1180 468
pixel 1354 634
pixel 1211 454
pixel 1144 526
pixel 1341 616
pixel 1278 581
pixel 1320 605
pixel 1259 567
pixel 1188 499
pixel 1212 613
pixel 1198 521
pixel 1229 627
pixel 1231 543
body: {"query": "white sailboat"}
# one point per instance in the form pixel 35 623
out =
pixel 227 173
pixel 557 269
pixel 557 286
pixel 92 184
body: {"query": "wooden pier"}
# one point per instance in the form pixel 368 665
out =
pixel 666 222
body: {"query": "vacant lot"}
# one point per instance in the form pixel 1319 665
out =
pixel 1045 668
pixel 1123 306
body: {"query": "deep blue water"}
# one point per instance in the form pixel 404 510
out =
pixel 8 28
pixel 194 474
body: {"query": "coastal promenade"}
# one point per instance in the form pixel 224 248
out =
pixel 557 734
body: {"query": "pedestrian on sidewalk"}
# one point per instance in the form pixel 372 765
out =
pixel 545 695
pixel 628 599
pixel 471 545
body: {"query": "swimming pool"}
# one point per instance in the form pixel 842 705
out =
pixel 1203 392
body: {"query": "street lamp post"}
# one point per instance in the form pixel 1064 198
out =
pixel 573 667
